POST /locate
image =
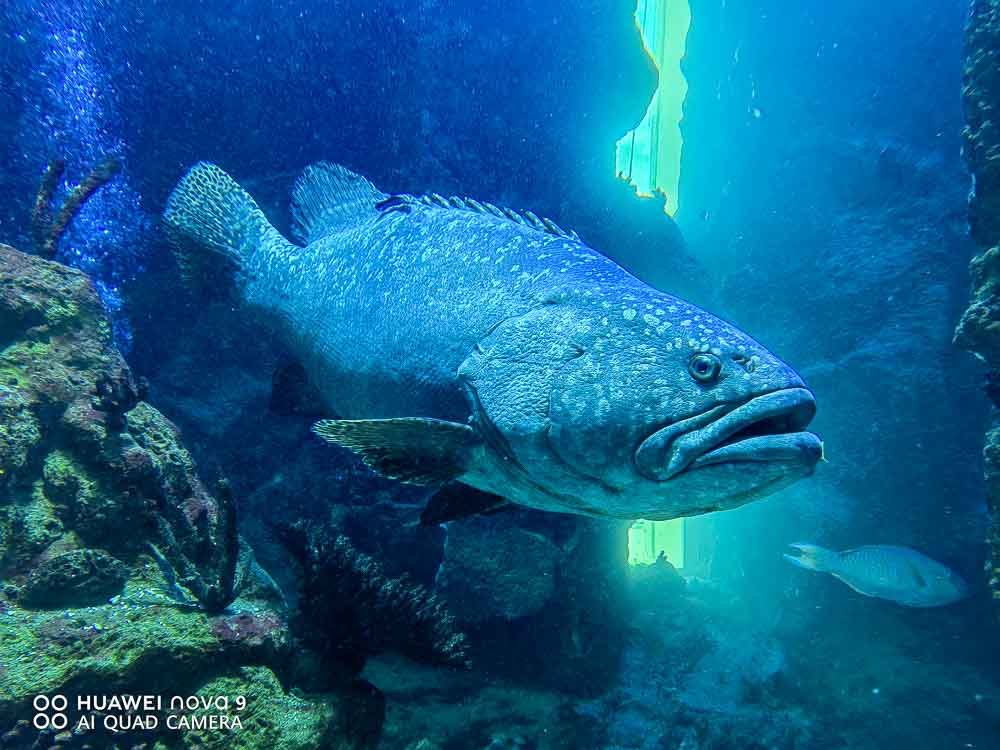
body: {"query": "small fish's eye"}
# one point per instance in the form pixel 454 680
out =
pixel 704 368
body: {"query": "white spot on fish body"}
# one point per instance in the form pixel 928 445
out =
pixel 628 314
pixel 650 320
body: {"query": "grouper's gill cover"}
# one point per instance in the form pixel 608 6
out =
pixel 455 341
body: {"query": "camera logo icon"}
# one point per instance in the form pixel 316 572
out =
pixel 50 712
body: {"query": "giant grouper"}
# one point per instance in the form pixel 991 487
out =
pixel 497 357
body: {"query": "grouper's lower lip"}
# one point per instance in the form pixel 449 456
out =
pixel 796 446
pixel 765 428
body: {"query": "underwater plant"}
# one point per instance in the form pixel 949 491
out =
pixel 71 117
pixel 349 609
pixel 48 228
pixel 199 557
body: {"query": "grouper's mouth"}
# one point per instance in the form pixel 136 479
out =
pixel 765 428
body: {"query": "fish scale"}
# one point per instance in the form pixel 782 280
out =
pixel 414 315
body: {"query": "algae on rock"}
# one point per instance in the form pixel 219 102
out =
pixel 120 571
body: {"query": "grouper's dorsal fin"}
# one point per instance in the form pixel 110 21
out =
pixel 404 203
pixel 327 198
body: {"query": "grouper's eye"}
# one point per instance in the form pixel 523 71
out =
pixel 704 368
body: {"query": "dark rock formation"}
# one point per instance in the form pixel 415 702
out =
pixel 979 329
pixel 493 568
pixel 82 577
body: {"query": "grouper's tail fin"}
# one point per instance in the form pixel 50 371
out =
pixel 813 557
pixel 209 218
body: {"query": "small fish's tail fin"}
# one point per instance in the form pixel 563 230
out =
pixel 813 557
pixel 214 224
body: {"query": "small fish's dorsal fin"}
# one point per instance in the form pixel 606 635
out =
pixel 327 198
pixel 404 202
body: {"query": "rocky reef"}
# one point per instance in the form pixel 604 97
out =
pixel 979 329
pixel 120 570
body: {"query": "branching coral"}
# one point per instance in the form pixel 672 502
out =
pixel 349 609
pixel 47 229
pixel 205 561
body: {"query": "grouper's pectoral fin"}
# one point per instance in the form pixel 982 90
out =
pixel 409 449
pixel 456 500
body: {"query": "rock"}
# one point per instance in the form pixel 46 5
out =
pixel 493 568
pixel 272 719
pixel 73 471
pixel 982 130
pixel 979 328
pixel 733 673
pixel 120 570
pixel 81 577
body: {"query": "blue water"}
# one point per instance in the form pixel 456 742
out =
pixel 822 209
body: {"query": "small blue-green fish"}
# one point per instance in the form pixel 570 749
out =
pixel 899 574
pixel 495 355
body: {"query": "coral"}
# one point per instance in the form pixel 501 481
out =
pixel 248 628
pixel 350 610
pixel 33 526
pixel 118 397
pixel 46 230
pixel 206 554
